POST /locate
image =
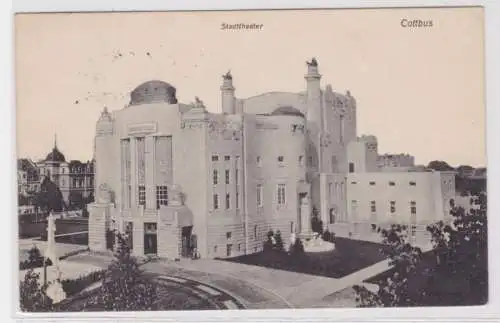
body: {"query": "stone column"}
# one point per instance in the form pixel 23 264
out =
pixel 150 172
pixel 133 173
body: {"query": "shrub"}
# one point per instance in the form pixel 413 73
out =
pixel 279 241
pixel 298 248
pixel 74 286
pixel 326 235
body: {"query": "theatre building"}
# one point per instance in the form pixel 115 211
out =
pixel 178 178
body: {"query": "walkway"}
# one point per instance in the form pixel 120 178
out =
pixel 261 287
pixel 253 286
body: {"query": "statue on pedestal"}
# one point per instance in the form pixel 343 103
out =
pixel 313 62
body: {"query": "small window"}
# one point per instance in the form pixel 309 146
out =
pixel 373 206
pixel 255 231
pixel 393 207
pixel 354 183
pixel 215 177
pixel 215 158
pixel 281 159
pixel 216 202
pixel 229 235
pixel 142 194
pixel 227 176
pixel 372 183
pixel 392 183
pixel 226 158
pixel 215 249
pixel 413 207
pixel 413 184
pixel 351 168
pixel 259 161
pixel 239 246
pixel 228 201
pixel 301 160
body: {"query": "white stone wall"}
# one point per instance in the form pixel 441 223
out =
pixel 427 193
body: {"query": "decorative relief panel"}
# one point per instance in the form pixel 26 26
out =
pixel 141 128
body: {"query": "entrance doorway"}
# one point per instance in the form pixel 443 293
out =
pixel 150 239
pixel 188 242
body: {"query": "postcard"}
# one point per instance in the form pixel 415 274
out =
pixel 239 160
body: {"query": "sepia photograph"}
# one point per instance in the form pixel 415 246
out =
pixel 251 160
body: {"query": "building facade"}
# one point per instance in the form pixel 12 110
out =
pixel 75 179
pixel 178 178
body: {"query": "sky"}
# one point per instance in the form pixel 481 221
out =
pixel 419 90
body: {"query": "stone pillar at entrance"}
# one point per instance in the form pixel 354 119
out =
pixel 99 215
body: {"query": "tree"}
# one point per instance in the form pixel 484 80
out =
pixel 403 257
pixel 125 287
pixel 453 273
pixel 76 200
pixel 49 198
pixel 33 297
pixel 440 166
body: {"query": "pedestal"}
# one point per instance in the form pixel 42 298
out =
pixel 99 216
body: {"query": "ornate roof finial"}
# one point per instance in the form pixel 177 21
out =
pixel 313 62
pixel 227 76
pixel 55 140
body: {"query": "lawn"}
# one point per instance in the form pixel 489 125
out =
pixel 349 256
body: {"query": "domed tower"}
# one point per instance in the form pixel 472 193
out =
pixel 227 94
pixel 153 92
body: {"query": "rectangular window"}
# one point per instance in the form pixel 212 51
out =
pixel 259 195
pixel 413 207
pixel 281 194
pixel 161 196
pixel 142 195
pixel 413 183
pixel 236 175
pixel 226 158
pixel 215 177
pixel 372 183
pixel 229 249
pixel 129 201
pixel 229 235
pixel 215 158
pixel 301 161
pixel 373 206
pixel 259 161
pixel 237 198
pixel 393 207
pixel 291 227
pixel 228 201
pixel 351 167
pixel 227 176
pixel 281 159
pixel 216 202
pixel 255 231
pixel 354 183
pixel 310 161
pixel 392 183
pixel 329 189
pixel 239 246
pixel 130 234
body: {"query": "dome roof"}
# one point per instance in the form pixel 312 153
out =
pixel 153 92
pixel 55 156
pixel 287 111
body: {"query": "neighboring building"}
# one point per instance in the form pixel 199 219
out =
pixel 396 162
pixel 74 179
pixel 28 177
pixel 176 177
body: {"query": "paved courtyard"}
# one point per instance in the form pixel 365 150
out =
pixel 256 287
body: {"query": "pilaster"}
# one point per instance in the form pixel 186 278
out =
pixel 133 172
pixel 150 172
